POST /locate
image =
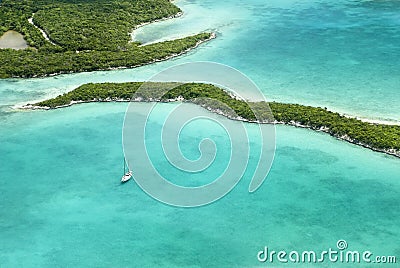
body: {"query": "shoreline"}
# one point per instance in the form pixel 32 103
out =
pixel 200 42
pixel 342 138
pixel 24 106
pixel 177 15
pixel 212 36
pixel 374 121
pixel 346 138
pixel 51 60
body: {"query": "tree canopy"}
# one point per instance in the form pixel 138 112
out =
pixel 84 35
pixel 376 136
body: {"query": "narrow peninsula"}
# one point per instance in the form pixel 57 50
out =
pixel 378 137
pixel 79 36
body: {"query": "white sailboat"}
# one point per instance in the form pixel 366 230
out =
pixel 127 175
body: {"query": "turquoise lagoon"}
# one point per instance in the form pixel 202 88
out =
pixel 61 203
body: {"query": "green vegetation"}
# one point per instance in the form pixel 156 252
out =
pixel 14 16
pixel 98 25
pixel 87 35
pixel 90 92
pixel 377 136
pixel 30 63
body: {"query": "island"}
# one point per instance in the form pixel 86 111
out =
pixel 79 36
pixel 378 137
pixel 42 38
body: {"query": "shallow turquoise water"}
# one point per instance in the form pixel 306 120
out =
pixel 340 54
pixel 343 54
pixel 61 203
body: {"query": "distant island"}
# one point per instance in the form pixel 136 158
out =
pixel 378 137
pixel 77 36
